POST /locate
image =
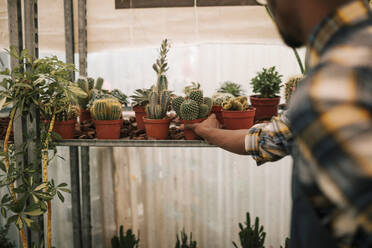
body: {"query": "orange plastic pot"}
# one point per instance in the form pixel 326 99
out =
pixel 217 110
pixel 85 115
pixel 108 129
pixel 65 128
pixel 235 120
pixel 140 113
pixel 157 129
pixel 189 134
pixel 265 107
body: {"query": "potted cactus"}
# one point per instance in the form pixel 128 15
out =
pixel 218 98
pixel 290 87
pixel 140 99
pixel 65 122
pixel 156 121
pixel 193 109
pixel 237 114
pixel 106 114
pixel 89 87
pixel 267 84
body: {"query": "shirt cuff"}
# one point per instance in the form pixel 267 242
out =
pixel 251 143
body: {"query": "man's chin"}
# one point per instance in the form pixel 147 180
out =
pixel 291 41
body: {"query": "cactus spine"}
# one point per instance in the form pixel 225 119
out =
pixel 106 109
pixel 159 97
pixel 190 109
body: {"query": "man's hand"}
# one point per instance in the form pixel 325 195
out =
pixel 202 129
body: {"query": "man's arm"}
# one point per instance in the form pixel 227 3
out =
pixel 265 142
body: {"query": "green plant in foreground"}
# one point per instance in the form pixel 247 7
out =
pixel 106 109
pixel 232 88
pixel 267 83
pixel 251 236
pixel 183 242
pixel 4 241
pixel 236 104
pixel 125 241
pixel 160 97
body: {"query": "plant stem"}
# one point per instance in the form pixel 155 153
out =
pixel 45 180
pixel 11 186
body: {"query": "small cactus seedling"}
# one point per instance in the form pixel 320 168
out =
pixel 183 242
pixel 231 88
pixel 128 240
pixel 236 104
pixel 251 236
pixel 106 109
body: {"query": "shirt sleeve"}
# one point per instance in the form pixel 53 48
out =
pixel 269 141
pixel 332 122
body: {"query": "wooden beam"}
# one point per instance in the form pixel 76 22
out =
pixel 15 28
pixel 161 3
pixel 31 27
pixel 83 41
pixel 125 4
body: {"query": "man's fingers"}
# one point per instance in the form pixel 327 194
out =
pixel 189 127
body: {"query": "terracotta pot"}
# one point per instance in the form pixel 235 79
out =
pixel 108 129
pixel 140 113
pixel 265 107
pixel 65 128
pixel 157 129
pixel 235 120
pixel 85 115
pixel 217 110
pixel 190 135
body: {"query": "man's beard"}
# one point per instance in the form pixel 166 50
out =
pixel 291 40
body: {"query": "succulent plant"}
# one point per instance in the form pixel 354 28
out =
pixel 191 87
pixel 71 113
pixel 251 236
pixel 122 98
pixel 290 87
pixel 183 242
pixel 176 104
pixel 189 110
pixel 236 104
pixel 128 240
pixel 88 86
pixel 106 109
pixel 267 83
pixel 159 98
pixel 197 96
pixel 140 97
pixel 218 98
pixel 232 88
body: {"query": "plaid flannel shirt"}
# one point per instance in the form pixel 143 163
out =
pixel 328 127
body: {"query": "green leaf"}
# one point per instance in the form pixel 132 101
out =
pixel 2 102
pixel 28 221
pixel 65 190
pixel 35 212
pixel 23 85
pixel 62 185
pixel 41 186
pixel 60 196
pixel 3 212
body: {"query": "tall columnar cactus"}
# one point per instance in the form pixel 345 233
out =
pixel 159 97
pixel 106 109
pixel 236 104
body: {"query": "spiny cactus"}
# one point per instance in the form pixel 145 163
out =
pixel 251 236
pixel 158 104
pixel 218 98
pixel 189 110
pixel 183 242
pixel 232 88
pixel 176 104
pixel 125 241
pixel 88 86
pixel 197 96
pixel 236 104
pixel 106 109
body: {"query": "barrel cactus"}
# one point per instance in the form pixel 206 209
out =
pixel 236 104
pixel 190 109
pixel 106 109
